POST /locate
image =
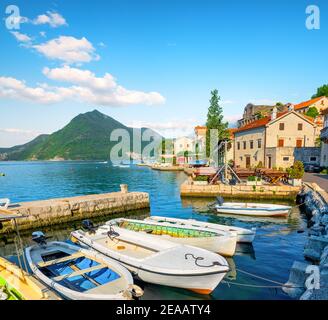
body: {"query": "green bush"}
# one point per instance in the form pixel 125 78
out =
pixel 201 178
pixel 296 171
pixel 324 171
pixel 251 178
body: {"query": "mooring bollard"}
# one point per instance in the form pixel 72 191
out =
pixel 124 188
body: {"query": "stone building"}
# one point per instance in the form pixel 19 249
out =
pixel 324 140
pixel 276 140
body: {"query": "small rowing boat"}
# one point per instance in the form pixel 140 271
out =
pixel 218 241
pixel 160 262
pixel 4 203
pixel 79 274
pixel 16 284
pixel 252 209
pixel 243 235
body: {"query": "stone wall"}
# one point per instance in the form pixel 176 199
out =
pixel 62 210
pixel 315 205
pixel 239 191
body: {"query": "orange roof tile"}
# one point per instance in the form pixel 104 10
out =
pixel 264 121
pixel 306 103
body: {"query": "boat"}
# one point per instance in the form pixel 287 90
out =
pixel 252 209
pixel 79 274
pixel 4 203
pixel 159 262
pixel 243 235
pixel 218 241
pixel 16 284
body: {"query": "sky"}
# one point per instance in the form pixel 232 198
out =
pixel 153 63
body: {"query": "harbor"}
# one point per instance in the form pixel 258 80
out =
pixel 273 235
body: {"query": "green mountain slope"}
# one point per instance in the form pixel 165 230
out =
pixel 86 137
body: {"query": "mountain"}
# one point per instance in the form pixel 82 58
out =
pixel 86 137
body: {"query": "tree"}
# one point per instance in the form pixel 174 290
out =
pixel 215 120
pixel 321 92
pixel 312 112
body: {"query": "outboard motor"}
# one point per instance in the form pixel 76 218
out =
pixel 88 225
pixel 39 238
pixel 219 200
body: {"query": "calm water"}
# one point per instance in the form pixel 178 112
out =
pixel 273 252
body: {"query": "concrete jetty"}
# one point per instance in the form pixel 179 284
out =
pixel 241 191
pixel 61 210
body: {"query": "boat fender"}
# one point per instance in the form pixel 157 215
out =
pixel 136 291
pixel 219 200
pixel 88 226
pixel 214 263
pixel 3 295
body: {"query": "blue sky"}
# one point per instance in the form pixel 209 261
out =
pixel 161 57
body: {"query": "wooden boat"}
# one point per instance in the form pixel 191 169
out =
pixel 243 235
pixel 221 242
pixel 160 262
pixel 16 284
pixel 79 274
pixel 253 209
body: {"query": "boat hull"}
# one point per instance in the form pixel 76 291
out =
pixel 66 292
pixel 243 235
pixel 223 243
pixel 171 267
pixel 253 209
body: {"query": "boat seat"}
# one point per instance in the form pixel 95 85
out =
pixel 79 272
pixel 51 262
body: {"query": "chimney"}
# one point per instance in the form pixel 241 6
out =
pixel 274 113
pixel 291 107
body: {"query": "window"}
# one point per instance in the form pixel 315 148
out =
pixel 244 144
pixel 300 127
pixel 280 142
pixel 299 143
pixel 285 159
pixel 259 143
pixel 313 159
pixel 238 145
pixel 281 126
pixel 251 144
pixel 324 157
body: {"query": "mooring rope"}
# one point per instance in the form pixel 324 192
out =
pixel 214 263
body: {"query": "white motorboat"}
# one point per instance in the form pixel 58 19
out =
pixel 79 274
pixel 243 235
pixel 251 209
pixel 218 241
pixel 160 262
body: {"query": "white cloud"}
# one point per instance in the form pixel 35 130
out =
pixel 52 18
pixel 12 136
pixel 233 118
pixel 21 37
pixel 85 87
pixel 68 49
pixel 13 88
pixel 171 128
pixel 43 34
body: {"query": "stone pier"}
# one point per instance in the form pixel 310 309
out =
pixel 62 210
pixel 240 191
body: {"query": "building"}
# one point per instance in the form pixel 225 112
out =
pixel 253 112
pixel 276 140
pixel 320 103
pixel 324 140
pixel 183 145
